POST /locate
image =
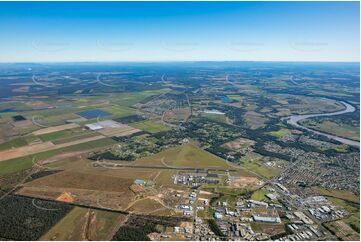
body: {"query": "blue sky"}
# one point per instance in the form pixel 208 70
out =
pixel 179 31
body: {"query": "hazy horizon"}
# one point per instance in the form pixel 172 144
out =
pixel 179 31
pixel 173 61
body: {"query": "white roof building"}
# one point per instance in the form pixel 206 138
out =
pixel 104 124
pixel 271 196
pixel 266 215
pixel 303 217
pixel 94 126
pixel 110 124
pixel 218 215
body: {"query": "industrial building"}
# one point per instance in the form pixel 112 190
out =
pixel 268 215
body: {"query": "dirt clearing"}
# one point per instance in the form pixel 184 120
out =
pixel 243 182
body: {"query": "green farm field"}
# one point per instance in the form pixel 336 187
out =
pixel 14 143
pixel 187 155
pixel 354 219
pixel 259 195
pixel 280 133
pixel 74 225
pixel 64 135
pixel 130 99
pixel 342 130
pixel 220 118
pixel 260 169
pixel 26 162
pixel 344 195
pixel 150 126
pixel 118 111
pixel 69 228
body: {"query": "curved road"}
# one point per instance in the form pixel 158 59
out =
pixel 294 120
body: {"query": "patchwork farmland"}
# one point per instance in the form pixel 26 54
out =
pixel 167 152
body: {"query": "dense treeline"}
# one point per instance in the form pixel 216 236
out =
pixel 130 119
pixel 107 155
pixel 138 227
pixel 21 220
pixel 41 174
pixel 127 233
pixel 214 227
pixel 128 137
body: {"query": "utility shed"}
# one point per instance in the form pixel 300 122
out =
pixel 94 126
pixel 139 182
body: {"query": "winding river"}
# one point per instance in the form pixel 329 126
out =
pixel 295 119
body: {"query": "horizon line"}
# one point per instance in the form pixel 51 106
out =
pixel 174 61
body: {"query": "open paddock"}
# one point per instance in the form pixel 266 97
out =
pixel 165 178
pixel 69 179
pixel 151 126
pixel 177 115
pixel 123 130
pixel 255 120
pixel 41 147
pixel 245 182
pixel 280 133
pixel 271 229
pixel 187 155
pixel 342 230
pixel 149 206
pixel 305 105
pixel 239 144
pixel 13 143
pixel 55 129
pixel 82 188
pixel 71 227
pixel 25 150
pixel 335 128
pixel 119 111
pixel 23 124
pixel 344 195
pixel 85 224
pixel 65 136
pixel 219 118
pixel 257 163
pixel 130 99
pixel 26 162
